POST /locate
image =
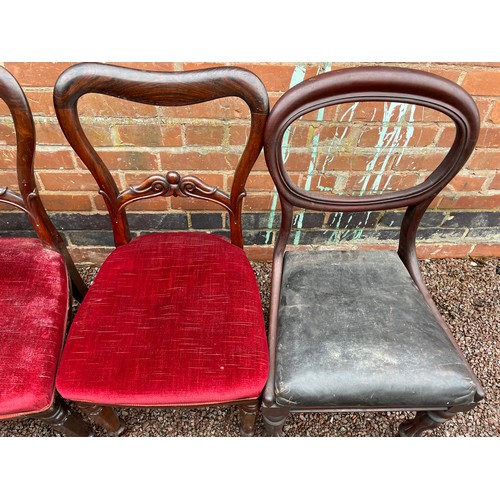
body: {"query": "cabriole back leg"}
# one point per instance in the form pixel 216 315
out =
pixel 426 420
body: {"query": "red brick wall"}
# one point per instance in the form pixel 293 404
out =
pixel 137 140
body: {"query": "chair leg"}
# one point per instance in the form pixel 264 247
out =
pixel 274 420
pixel 423 421
pixel 63 420
pixel 104 416
pixel 248 416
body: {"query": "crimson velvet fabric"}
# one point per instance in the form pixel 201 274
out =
pixel 33 308
pixel 172 319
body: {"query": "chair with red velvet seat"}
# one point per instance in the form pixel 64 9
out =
pixel 35 294
pixel 172 319
pixel 357 330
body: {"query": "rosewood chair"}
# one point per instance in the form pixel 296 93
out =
pixel 354 330
pixel 172 319
pixel 35 294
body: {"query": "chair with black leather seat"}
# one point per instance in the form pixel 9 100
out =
pixel 173 319
pixel 357 330
pixel 35 292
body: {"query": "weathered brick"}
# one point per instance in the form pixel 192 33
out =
pixel 485 233
pixel 206 220
pixel 429 219
pixel 482 82
pixel 472 219
pixel 140 135
pixel 375 183
pixel 425 161
pixel 129 160
pixel 495 113
pixel 495 183
pixel 78 222
pixel 486 250
pixel 484 160
pixel 9 179
pixel 276 78
pixel 259 253
pixel 489 137
pixel 90 238
pixel 443 250
pixel 8 157
pixel 36 74
pixel 54 160
pixel 238 134
pixel 196 161
pixel 16 221
pixel 467 183
pixel 49 133
pixel 204 135
pixel 356 220
pixel 467 201
pixel 66 203
pixel 148 66
pixel 398 136
pixel 41 102
pixel 7 134
pixel 165 221
pixel 68 181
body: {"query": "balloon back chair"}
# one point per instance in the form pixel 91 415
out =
pixel 35 291
pixel 173 319
pixel 357 330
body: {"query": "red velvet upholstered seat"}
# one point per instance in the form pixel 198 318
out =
pixel 33 308
pixel 171 319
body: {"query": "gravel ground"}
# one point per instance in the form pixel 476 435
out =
pixel 466 292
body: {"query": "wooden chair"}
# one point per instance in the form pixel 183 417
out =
pixel 35 294
pixel 354 330
pixel 172 319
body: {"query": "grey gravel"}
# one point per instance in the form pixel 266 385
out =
pixel 466 292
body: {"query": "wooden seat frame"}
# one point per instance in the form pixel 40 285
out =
pixel 361 85
pixel 163 89
pixel 59 415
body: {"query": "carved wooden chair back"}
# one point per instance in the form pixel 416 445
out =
pixel 33 271
pixel 162 89
pixel 288 387
pixel 205 269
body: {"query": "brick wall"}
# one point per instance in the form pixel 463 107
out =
pixel 358 148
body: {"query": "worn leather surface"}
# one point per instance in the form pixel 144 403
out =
pixel 354 330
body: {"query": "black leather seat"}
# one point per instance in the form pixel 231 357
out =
pixel 354 331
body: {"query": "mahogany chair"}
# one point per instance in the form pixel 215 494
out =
pixel 172 319
pixel 354 330
pixel 35 292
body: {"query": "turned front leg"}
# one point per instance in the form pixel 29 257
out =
pixel 63 420
pixel 104 416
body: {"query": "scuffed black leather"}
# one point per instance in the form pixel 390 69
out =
pixel 354 331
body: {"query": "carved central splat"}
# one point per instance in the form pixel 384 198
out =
pixel 172 184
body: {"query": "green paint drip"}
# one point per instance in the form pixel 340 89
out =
pixel 297 76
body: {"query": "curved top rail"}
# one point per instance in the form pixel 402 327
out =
pixel 372 84
pixel 161 88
